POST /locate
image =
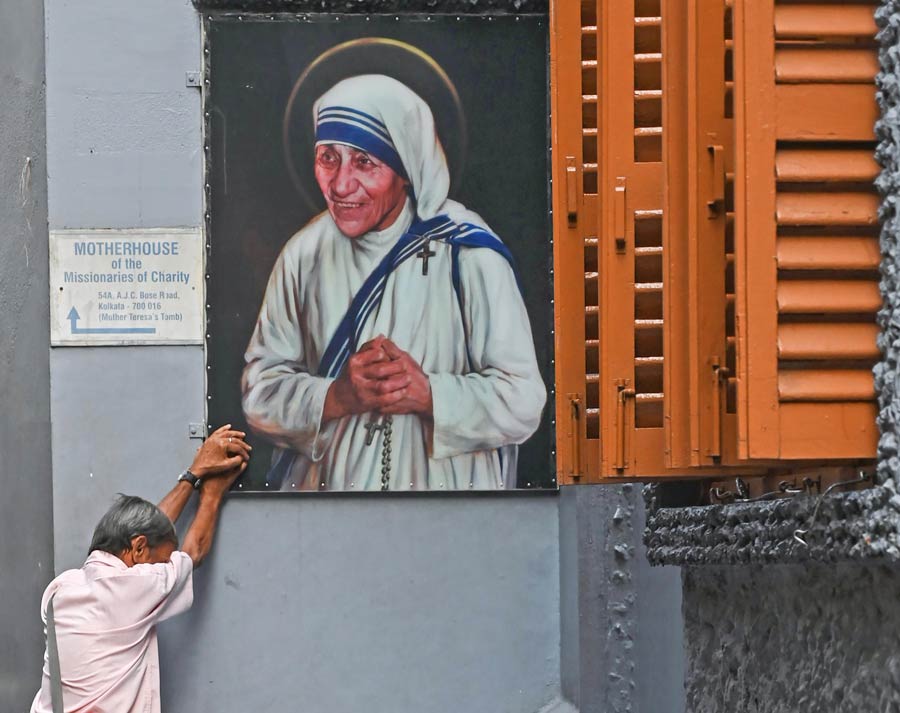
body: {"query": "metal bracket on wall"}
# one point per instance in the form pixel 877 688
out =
pixel 197 430
pixel 192 79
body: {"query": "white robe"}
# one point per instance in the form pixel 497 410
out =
pixel 480 413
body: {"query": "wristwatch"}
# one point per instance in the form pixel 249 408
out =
pixel 190 478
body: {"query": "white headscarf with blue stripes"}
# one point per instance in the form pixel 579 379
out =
pixel 385 118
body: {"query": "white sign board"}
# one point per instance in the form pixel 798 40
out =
pixel 125 287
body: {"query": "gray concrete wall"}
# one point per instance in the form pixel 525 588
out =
pixel 786 638
pixel 26 554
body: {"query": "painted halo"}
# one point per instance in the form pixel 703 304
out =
pixel 370 55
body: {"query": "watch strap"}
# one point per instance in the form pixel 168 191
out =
pixel 190 478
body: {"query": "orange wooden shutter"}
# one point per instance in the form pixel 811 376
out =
pixel 805 229
pixel 714 236
pixel 576 298
pixel 699 150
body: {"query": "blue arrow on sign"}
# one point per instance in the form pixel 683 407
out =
pixel 73 318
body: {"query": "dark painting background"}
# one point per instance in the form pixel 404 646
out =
pixel 499 67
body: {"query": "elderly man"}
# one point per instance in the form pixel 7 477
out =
pixel 393 350
pixel 101 619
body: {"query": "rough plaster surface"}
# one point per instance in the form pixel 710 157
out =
pixel 788 638
pixel 621 630
pixel 467 7
pixel 26 555
pixel 849 526
pixel 888 155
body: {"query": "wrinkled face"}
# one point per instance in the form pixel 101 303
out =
pixel 361 192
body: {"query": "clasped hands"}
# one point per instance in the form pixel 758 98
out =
pixel 382 378
pixel 221 459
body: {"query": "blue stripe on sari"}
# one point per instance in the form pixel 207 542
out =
pixel 336 131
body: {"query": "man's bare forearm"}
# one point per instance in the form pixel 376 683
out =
pixel 199 537
pixel 173 503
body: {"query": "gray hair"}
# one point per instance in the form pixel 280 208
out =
pixel 129 517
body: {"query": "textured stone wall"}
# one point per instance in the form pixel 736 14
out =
pixel 788 638
pixel 888 154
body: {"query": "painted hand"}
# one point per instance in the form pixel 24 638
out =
pixel 415 397
pixel 371 381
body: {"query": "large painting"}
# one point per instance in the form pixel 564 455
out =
pixel 379 269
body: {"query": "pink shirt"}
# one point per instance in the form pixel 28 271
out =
pixel 106 615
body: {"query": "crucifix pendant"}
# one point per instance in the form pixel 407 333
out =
pixel 425 253
pixel 372 427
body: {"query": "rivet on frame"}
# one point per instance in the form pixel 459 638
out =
pixel 240 485
pixel 410 484
pixel 209 398
pixel 241 19
pixel 529 485
pixel 352 484
pixel 368 18
pixel 293 485
pixel 208 367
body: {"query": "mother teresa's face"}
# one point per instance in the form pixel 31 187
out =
pixel 361 192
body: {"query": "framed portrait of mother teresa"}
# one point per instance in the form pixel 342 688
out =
pixel 379 284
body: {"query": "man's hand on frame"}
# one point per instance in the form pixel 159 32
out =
pixel 223 451
pixel 215 486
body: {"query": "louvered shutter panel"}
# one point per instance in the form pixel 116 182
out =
pixel 698 230
pixel 806 252
pixel 573 36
